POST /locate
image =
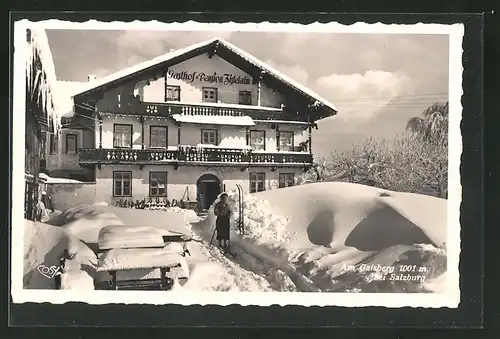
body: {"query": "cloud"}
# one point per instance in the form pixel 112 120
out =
pixel 159 42
pixel 296 72
pixel 361 96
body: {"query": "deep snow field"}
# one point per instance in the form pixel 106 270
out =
pixel 336 237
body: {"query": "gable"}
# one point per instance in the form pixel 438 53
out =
pixel 228 56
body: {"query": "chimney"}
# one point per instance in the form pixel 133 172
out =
pixel 91 77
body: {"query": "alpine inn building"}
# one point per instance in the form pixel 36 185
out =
pixel 194 122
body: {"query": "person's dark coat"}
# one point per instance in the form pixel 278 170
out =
pixel 223 213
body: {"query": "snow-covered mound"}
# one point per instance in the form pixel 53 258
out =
pixel 118 236
pixel 131 259
pixel 43 247
pixel 319 230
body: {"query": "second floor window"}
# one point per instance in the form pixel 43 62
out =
pixel 257 182
pixel 209 136
pixel 71 143
pixel 245 98
pixel 258 140
pixel 122 136
pixel 53 143
pixel 286 141
pixel 209 94
pixel 158 137
pixel 172 93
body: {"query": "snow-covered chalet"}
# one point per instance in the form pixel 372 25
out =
pixel 196 121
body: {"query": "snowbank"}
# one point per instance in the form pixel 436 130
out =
pixel 314 230
pixel 129 237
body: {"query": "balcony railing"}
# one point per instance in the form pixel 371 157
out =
pixel 168 109
pixel 191 155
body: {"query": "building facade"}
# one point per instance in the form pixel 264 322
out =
pixel 41 115
pixel 60 156
pixel 195 122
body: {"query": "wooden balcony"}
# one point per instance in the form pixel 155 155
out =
pixel 191 155
pixel 168 109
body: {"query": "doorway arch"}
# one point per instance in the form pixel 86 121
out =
pixel 208 188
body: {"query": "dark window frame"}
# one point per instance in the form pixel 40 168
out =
pixel 293 139
pixel 260 131
pixel 210 130
pixel 282 180
pixel 164 195
pixel 166 136
pixel 175 88
pixel 115 173
pixel 66 135
pixel 247 94
pixel 215 89
pixel 131 136
pixel 251 181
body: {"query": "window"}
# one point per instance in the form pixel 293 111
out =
pixel 258 140
pixel 53 143
pixel 245 98
pixel 209 137
pixel 257 182
pixel 71 143
pixel 172 93
pixel 157 184
pixel 158 137
pixel 209 94
pixel 286 180
pixel 122 184
pixel 122 136
pixel 286 141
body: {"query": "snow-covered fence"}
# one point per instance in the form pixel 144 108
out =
pixel 67 195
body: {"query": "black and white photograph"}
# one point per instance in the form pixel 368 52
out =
pixel 237 163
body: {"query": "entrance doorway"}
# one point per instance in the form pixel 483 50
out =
pixel 208 187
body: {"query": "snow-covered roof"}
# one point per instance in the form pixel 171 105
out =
pixel 120 236
pixel 138 258
pixel 45 78
pixel 214 120
pixel 179 52
pixel 143 65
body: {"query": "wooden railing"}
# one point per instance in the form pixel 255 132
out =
pixel 190 154
pixel 167 109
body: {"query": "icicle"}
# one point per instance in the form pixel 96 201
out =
pixel 45 78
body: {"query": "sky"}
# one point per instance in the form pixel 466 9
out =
pixel 376 81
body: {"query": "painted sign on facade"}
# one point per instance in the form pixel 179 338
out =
pixel 211 78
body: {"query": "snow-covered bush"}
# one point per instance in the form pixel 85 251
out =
pixel 261 224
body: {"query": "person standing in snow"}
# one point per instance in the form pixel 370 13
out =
pixel 223 213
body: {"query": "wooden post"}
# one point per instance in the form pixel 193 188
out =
pixel 247 136
pixel 179 133
pixel 278 137
pixel 259 85
pixel 142 133
pixel 310 132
